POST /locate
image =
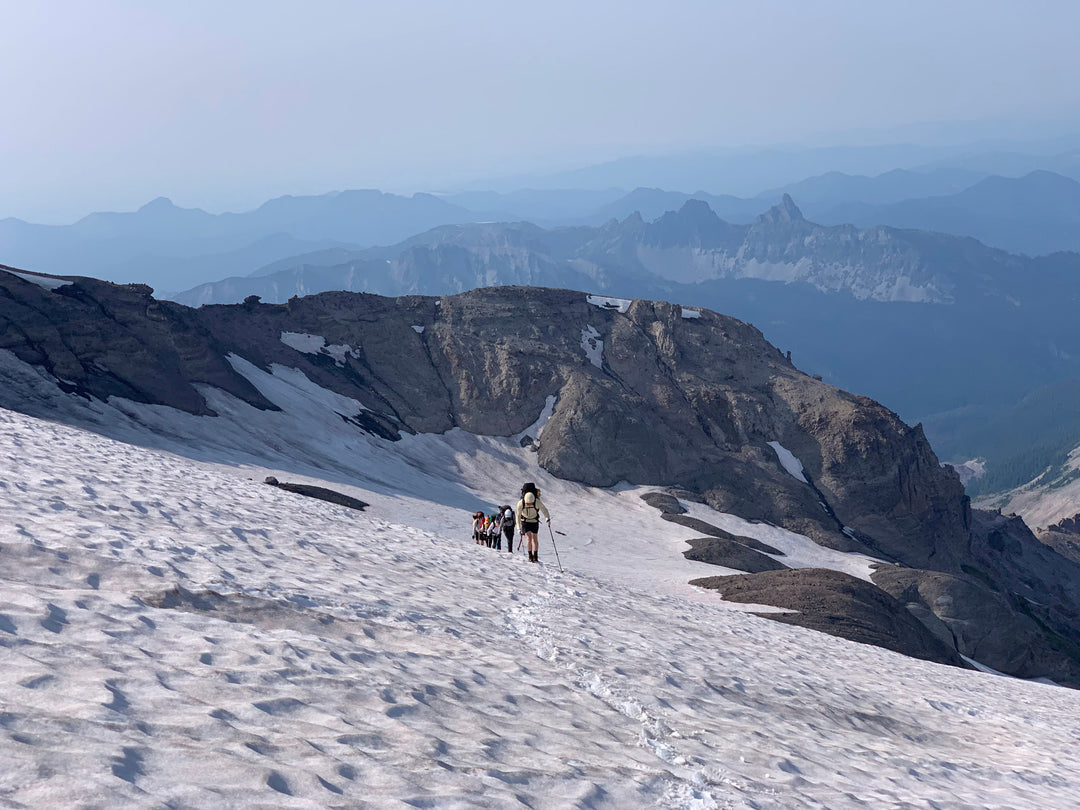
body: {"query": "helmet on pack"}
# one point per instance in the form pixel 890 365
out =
pixel 530 497
pixel 508 513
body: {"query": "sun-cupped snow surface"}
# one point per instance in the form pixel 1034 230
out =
pixel 788 460
pixel 382 659
pixel 593 346
pixel 360 660
pixel 604 302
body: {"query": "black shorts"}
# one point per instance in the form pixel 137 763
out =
pixel 530 526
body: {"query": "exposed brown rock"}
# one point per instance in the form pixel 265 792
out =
pixel 838 604
pixel 730 553
pixel 983 624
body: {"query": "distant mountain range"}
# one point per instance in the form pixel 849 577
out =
pixel 745 173
pixel 1036 214
pixel 685 247
pixel 171 247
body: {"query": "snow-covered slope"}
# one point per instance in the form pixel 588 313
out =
pixel 382 659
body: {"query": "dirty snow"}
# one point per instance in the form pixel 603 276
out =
pixel 418 329
pixel 690 314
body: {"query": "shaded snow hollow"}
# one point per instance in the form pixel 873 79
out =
pixel 382 659
pixel 788 461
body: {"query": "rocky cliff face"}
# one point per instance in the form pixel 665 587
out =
pixel 644 392
pixel 647 392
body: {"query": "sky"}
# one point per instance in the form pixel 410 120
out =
pixel 222 105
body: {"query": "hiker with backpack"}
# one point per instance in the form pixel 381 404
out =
pixel 495 531
pixel 508 524
pixel 529 509
pixel 477 526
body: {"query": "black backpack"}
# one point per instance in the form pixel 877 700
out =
pixel 529 487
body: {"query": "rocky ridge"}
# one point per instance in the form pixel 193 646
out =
pixel 644 392
pixel 688 246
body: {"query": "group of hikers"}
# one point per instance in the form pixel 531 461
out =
pixel 489 530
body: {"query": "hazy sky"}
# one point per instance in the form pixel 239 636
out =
pixel 224 104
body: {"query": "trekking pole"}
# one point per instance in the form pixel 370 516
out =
pixel 555 547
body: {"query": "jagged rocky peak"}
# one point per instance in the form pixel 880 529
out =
pixel 694 225
pixel 783 212
pixel 157 204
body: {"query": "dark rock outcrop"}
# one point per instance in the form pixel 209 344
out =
pixel 717 533
pixel 1063 537
pixel 106 340
pixel 319 493
pixel 988 626
pixel 730 553
pixel 666 503
pixel 838 604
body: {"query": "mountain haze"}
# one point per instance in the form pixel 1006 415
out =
pixel 170 247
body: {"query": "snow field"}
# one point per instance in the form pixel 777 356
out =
pixel 381 659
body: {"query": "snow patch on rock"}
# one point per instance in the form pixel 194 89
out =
pixel 534 430
pixel 788 460
pixel 303 343
pixel 593 346
pixel 621 304
pixel 48 282
pixel 314 344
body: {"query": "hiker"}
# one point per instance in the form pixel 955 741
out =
pixel 477 526
pixel 529 509
pixel 495 531
pixel 508 524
